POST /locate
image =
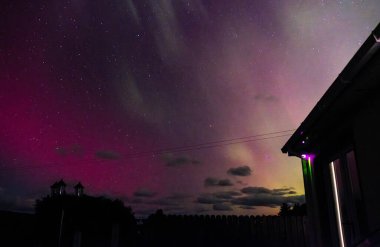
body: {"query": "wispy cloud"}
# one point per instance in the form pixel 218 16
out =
pixel 74 149
pixel 143 192
pixel 107 155
pixel 180 161
pixel 222 207
pixel 265 97
pixel 262 190
pixel 240 171
pixel 210 199
pixel 256 190
pixel 251 197
pixel 16 203
pixel 267 200
pixel 226 194
pixel 210 181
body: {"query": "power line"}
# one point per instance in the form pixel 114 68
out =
pixel 173 149
pixel 207 147
pixel 223 142
pixel 200 146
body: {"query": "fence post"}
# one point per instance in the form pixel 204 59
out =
pixel 77 238
pixel 115 235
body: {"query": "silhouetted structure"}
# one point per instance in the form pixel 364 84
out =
pixel 337 144
pixel 58 188
pixel 82 220
pixel 78 189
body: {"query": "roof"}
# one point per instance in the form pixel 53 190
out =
pixel 61 183
pixel 55 185
pixel 79 185
pixel 353 84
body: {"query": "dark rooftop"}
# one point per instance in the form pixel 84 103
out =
pixel 331 117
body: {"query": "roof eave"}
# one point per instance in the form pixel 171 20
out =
pixel 345 78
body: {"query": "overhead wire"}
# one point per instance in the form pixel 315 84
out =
pixel 195 147
pixel 207 145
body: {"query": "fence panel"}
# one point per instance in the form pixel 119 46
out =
pixel 271 231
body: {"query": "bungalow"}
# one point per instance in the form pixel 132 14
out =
pixel 337 144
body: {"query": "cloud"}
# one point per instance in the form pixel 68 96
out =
pixel 265 97
pixel 134 200
pixel 284 191
pixel 221 207
pixel 172 200
pixel 240 171
pixel 281 193
pixel 241 182
pixel 247 207
pixel 107 155
pixel 144 198
pixel 142 192
pixel 211 181
pixel 209 199
pixel 175 210
pixel 295 199
pixel 167 31
pixel 133 11
pixel 225 182
pixel 163 202
pixel 262 190
pixel 267 200
pixel 75 149
pixel 259 200
pixel 179 161
pixel 217 182
pixel 226 194
pixel 256 190
pixel 199 210
pixel 178 197
pixel 251 197
pixel 17 203
pixel 61 151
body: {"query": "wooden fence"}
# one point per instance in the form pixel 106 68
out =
pixel 162 230
pixel 176 230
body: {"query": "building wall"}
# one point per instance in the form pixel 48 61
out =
pixel 367 147
pixel 360 214
pixel 319 200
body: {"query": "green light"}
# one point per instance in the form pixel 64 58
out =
pixel 306 168
pixel 310 170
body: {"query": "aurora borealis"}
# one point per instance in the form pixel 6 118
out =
pixel 101 91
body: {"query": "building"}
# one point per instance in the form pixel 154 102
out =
pixel 78 189
pixel 338 144
pixel 76 219
pixel 58 188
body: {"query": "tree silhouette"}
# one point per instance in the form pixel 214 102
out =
pixel 296 210
pixel 284 210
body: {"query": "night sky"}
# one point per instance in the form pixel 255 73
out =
pixel 166 103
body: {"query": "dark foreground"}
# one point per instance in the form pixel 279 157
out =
pixel 158 230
